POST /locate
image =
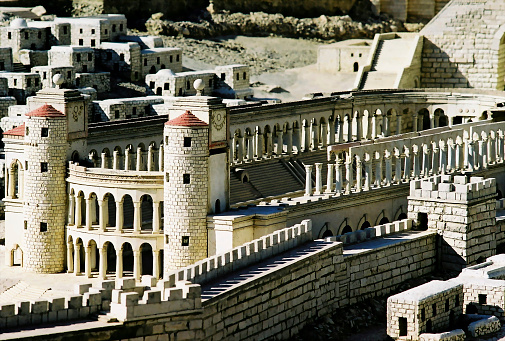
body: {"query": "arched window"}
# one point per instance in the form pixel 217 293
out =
pixel 217 206
pixel 355 67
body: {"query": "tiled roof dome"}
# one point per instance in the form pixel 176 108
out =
pixel 45 111
pixel 187 120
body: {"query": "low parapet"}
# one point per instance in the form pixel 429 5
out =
pixel 452 188
pixel 130 302
pixel 376 231
pixel 242 256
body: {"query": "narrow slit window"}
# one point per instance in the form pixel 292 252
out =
pixel 187 142
pixel 186 178
pixel 43 226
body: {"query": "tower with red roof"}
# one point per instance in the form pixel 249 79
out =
pixel 45 190
pixel 186 140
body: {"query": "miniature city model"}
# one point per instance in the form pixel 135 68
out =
pixel 182 215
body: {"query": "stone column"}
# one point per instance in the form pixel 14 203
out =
pixel 368 174
pixel 338 176
pixel 331 132
pixel 359 127
pixel 127 159
pixel 119 263
pixel 483 153
pixel 298 141
pixel 70 258
pixel 150 155
pixel 406 168
pixel 101 215
pixel 136 264
pixel 359 180
pixel 398 167
pixel 329 178
pixel 348 175
pixel 398 123
pixel 450 156
pixel 268 144
pixel 138 164
pixel 426 161
pixel 416 163
pixel 432 120
pixel 389 170
pixel 103 160
pixel 156 265
pixel 233 146
pixel 249 148
pixel 137 217
pixel 349 129
pixel 89 216
pixel 385 124
pixel 340 130
pixel 378 172
pixel 259 145
pixel 119 216
pixel 77 259
pixel 435 159
pixel 71 207
pixel 414 122
pixel 280 142
pixel 471 156
pixel 87 261
pixel 156 216
pixel 443 158
pixel 78 211
pixel 240 149
pixel 115 159
pixel 324 135
pixel 160 159
pixel 499 146
pixel 457 156
pixel 373 133
pixel 102 269
pixel 308 179
pixel 319 185
pixel 314 136
pixel 289 141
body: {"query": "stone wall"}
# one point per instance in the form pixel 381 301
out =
pixel 461 50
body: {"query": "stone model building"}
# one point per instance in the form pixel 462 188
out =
pixel 174 213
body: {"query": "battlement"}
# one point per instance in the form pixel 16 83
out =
pixel 242 256
pixel 375 231
pixel 130 302
pixel 452 188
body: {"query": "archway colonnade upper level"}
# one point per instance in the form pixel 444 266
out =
pixel 285 129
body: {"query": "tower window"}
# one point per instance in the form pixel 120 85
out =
pixel 171 59
pixel 43 227
pixel 65 29
pixel 39 35
pixel 26 35
pixel 44 75
pixel 26 224
pixel 402 324
pixel 69 74
pixel 177 58
pixel 80 30
pixel 26 165
pixel 166 86
pixel 81 42
pixel 238 76
pixel 187 142
pixel 244 75
pixel 185 241
pixel 45 132
pixel 92 42
pixel 78 57
pixel 106 31
pixel 43 167
pixel 121 27
pixel 186 178
pixel 145 62
pixel 482 299
pixel 36 82
pixel 434 308
pixel 158 60
pixel 116 114
pixel 9 35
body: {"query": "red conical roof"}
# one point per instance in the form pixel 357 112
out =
pixel 46 111
pixel 187 120
pixel 18 131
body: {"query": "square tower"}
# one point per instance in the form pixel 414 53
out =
pixel 462 211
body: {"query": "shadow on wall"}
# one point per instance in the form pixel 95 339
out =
pixel 438 71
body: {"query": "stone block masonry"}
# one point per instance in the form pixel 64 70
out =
pixel 462 212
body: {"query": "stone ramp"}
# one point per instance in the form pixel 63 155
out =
pixel 249 274
pixel 389 59
pixel 22 291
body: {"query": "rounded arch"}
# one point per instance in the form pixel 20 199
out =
pixel 146 218
pixel 75 156
pixel 110 252
pixel 127 211
pixel 365 225
pixel 127 259
pixel 346 229
pixel 355 67
pixel 146 261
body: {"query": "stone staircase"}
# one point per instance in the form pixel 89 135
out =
pixel 390 57
pixel 19 67
pixel 22 291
